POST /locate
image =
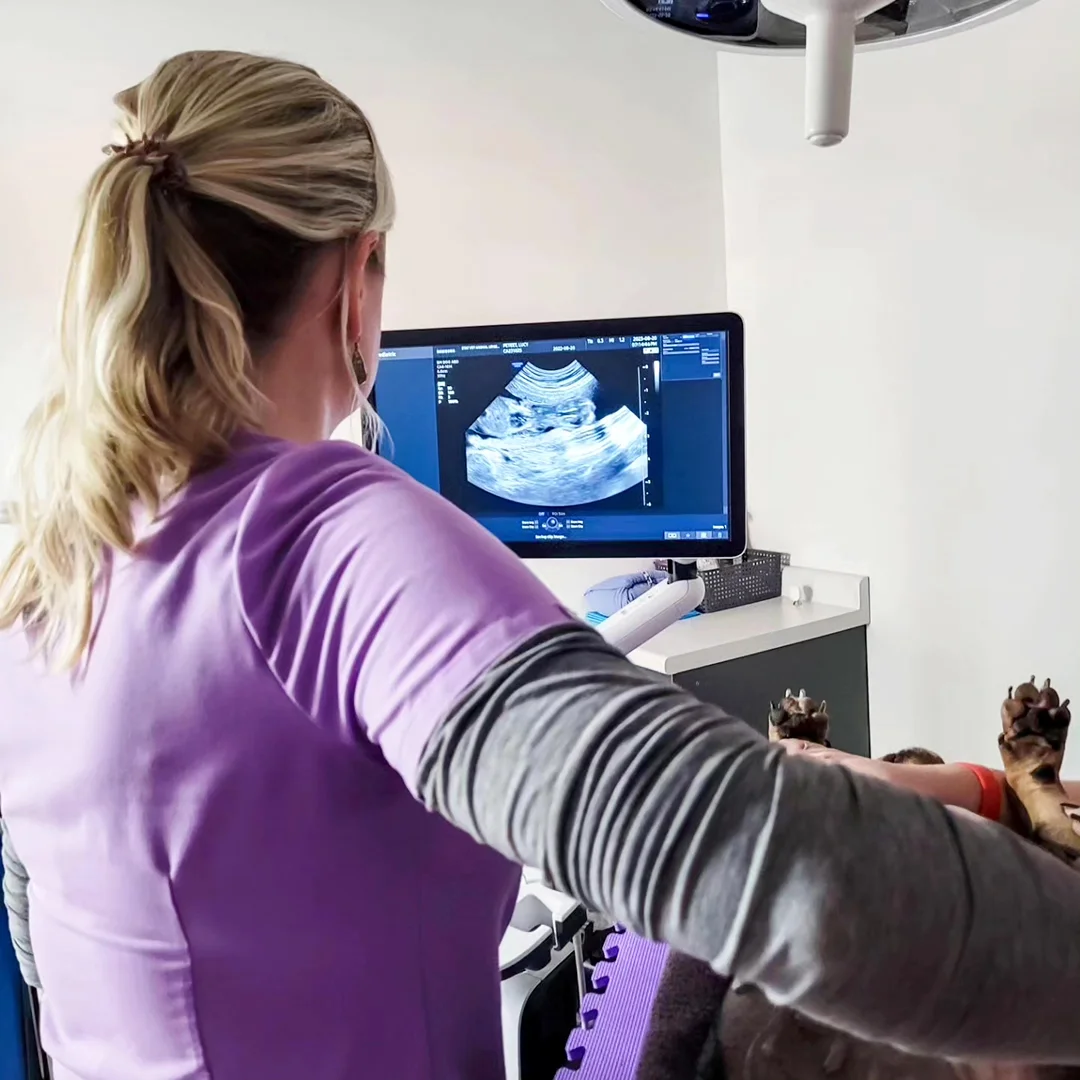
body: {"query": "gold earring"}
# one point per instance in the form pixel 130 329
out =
pixel 358 365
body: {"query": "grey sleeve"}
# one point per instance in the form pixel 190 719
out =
pixel 865 907
pixel 17 903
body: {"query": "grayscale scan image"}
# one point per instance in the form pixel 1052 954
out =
pixel 541 443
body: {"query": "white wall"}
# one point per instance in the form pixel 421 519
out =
pixel 913 355
pixel 912 350
pixel 552 160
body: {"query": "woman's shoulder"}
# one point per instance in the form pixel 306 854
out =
pixel 323 503
pixel 360 585
pixel 320 483
pixel 305 463
pixel 268 485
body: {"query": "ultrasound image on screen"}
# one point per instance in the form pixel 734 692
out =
pixel 549 432
pixel 541 442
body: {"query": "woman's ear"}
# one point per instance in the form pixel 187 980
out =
pixel 358 262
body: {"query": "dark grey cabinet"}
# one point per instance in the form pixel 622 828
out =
pixel 832 667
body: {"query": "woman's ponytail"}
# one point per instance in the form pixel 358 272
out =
pixel 194 235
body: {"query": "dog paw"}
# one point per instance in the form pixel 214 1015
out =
pixel 1035 725
pixel 1035 711
pixel 799 717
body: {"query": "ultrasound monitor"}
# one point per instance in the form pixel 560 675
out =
pixel 577 439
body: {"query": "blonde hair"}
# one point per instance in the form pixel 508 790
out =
pixel 194 238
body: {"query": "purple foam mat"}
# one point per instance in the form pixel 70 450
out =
pixel 617 1020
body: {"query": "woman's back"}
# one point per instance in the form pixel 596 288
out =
pixel 222 884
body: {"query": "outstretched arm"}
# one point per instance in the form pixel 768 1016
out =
pixel 860 904
pixel 397 624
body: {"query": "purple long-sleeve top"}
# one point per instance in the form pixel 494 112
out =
pixel 228 876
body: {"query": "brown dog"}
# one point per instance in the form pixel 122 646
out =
pixel 710 1034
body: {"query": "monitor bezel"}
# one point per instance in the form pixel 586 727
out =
pixel 727 322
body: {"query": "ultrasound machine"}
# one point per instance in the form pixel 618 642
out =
pixel 601 439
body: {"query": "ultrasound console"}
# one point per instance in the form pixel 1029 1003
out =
pixel 610 438
pixel 605 438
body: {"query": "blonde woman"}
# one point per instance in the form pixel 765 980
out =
pixel 279 724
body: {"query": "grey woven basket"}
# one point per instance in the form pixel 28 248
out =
pixel 758 576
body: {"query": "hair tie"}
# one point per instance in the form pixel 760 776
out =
pixel 165 162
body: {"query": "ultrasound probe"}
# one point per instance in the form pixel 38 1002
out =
pixel 664 604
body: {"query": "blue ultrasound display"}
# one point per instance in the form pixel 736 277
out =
pixel 602 440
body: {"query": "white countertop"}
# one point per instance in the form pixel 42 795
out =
pixel 837 602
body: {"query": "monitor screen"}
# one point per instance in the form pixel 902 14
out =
pixel 618 437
